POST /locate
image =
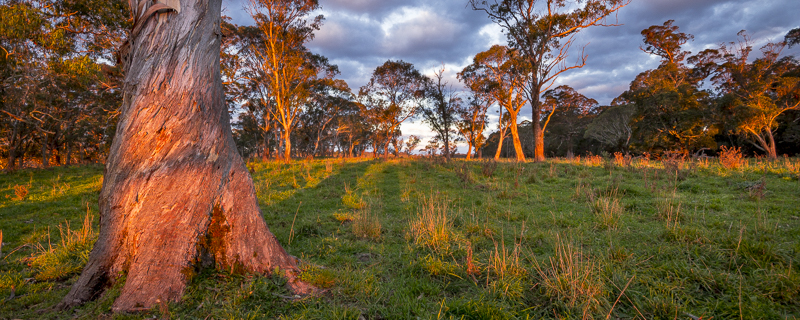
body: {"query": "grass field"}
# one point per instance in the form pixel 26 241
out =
pixel 420 239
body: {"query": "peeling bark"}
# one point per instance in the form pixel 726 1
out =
pixel 176 194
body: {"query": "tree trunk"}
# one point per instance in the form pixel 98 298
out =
pixel 68 154
pixel 176 194
pixel 287 145
pixel 517 142
pixel 12 149
pixel 772 152
pixel 469 149
pixel 538 134
pixel 499 145
pixel 45 154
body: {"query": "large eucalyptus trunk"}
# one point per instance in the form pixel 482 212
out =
pixel 176 195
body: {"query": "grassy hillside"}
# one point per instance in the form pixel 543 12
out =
pixel 409 239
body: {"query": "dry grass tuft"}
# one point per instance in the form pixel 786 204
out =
pixel 669 209
pixel 366 223
pixel 432 226
pixel 593 160
pixel 68 258
pixel 572 278
pixel 351 200
pixel 606 208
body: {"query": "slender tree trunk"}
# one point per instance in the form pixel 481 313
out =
pixel 515 139
pixel 287 145
pixel 469 150
pixel 68 154
pixel 176 194
pixel 538 134
pixel 499 146
pixel 13 145
pixel 772 152
pixel 45 154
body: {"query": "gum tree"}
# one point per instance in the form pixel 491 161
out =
pixel 176 195
pixel 497 70
pixel 543 31
pixel 393 95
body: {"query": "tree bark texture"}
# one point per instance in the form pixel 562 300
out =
pixel 176 194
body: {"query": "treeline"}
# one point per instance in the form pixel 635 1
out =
pixel 695 104
pixel 60 88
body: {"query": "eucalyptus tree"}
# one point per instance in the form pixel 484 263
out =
pixel 51 82
pixel 497 72
pixel 672 110
pixel 543 31
pixel 394 94
pixel 442 110
pixel 570 112
pixel 473 123
pixel 755 94
pixel 174 128
pixel 282 67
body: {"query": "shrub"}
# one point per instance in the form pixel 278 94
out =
pixel 731 158
pixel 464 173
pixel 488 167
pixel 20 192
pixel 622 160
pixel 673 161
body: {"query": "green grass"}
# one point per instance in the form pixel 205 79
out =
pixel 409 239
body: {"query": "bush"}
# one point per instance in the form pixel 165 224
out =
pixel 731 158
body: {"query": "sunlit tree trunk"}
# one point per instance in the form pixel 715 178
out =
pixel 176 195
pixel 538 134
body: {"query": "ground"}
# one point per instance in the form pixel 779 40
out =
pixel 422 239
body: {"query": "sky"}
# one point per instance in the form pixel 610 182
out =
pixel 359 35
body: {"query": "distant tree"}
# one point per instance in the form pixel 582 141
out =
pixel 612 127
pixel 570 112
pixel 497 72
pixel 665 41
pixel 792 37
pixel 442 110
pixel 757 93
pixel 353 128
pixel 411 144
pixel 542 31
pixel 393 95
pixel 473 123
pixel 672 111
pixel 283 68
pixel 327 98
